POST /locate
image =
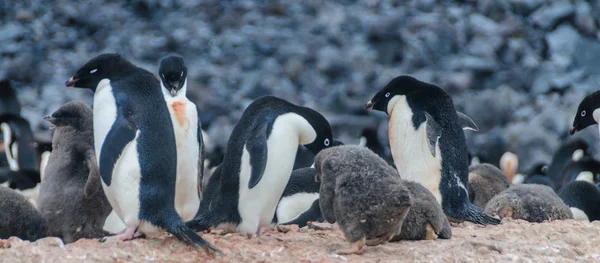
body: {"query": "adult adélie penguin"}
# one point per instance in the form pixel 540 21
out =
pixel 428 144
pixel 188 135
pixel 135 147
pixel 243 192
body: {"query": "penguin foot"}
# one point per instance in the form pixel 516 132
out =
pixel 356 248
pixel 127 234
pixel 379 240
pixel 430 233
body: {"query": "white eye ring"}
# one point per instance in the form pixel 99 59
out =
pixel 326 142
pixel 93 71
pixel 387 95
pixel 583 113
pixel 181 74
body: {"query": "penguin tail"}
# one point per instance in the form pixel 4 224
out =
pixel 184 233
pixel 198 223
pixel 472 213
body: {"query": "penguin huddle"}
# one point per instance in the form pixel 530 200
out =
pixel 141 155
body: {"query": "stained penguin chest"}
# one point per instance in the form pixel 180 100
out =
pixel 184 119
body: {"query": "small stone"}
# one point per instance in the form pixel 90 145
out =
pixel 548 16
pixel 50 242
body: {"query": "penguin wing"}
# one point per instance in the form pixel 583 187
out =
pixel 202 157
pixel 120 134
pixel 257 148
pixel 434 132
pixel 466 123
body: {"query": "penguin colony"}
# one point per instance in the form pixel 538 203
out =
pixel 141 155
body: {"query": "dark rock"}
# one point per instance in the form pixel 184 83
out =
pixel 588 55
pixel 583 20
pixel 548 16
pixel 525 7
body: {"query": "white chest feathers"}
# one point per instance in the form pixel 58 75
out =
pixel 105 113
pixel 257 205
pixel 184 118
pixel 410 148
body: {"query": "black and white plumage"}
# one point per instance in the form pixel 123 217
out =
pixel 243 192
pixel 296 205
pixel 20 151
pixel 428 144
pixel 135 146
pixel 71 196
pixel 529 202
pixel 570 151
pixel 363 194
pixel 583 198
pixel 188 136
pixel 587 112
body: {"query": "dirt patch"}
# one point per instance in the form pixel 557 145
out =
pixel 512 241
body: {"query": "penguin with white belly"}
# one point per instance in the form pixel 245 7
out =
pixel 243 192
pixel 188 136
pixel 428 144
pixel 135 146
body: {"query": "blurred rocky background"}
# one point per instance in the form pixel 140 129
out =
pixel 519 68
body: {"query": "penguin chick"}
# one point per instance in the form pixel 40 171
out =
pixel 425 219
pixel 533 203
pixel 583 198
pixel 19 218
pixel 71 196
pixel 361 192
pixel 485 181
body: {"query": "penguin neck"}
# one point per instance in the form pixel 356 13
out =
pixel 181 93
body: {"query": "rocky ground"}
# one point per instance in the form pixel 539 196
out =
pixel 518 67
pixel 512 241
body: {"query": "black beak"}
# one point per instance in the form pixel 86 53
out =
pixel 573 130
pixel 71 82
pixel 369 105
pixel 51 120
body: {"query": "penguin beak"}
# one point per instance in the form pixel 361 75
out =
pixel 573 130
pixel 173 92
pixel 51 120
pixel 71 82
pixel 369 105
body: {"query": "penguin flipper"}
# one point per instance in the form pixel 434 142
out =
pixel 202 157
pixel 93 183
pixel 434 132
pixel 257 148
pixel 466 123
pixel 120 134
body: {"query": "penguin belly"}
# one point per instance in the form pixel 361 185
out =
pixel 257 206
pixel 410 150
pixel 123 192
pixel 185 125
pixel 290 207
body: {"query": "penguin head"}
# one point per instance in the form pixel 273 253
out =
pixel 324 134
pixel 75 114
pixel 104 66
pixel 587 112
pixel 399 86
pixel 173 73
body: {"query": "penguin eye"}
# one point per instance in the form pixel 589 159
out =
pixel 93 71
pixel 387 95
pixel 583 113
pixel 326 142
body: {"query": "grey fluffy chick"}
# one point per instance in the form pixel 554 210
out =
pixel 530 202
pixel 71 195
pixel 19 218
pixel 426 219
pixel 363 194
pixel 485 181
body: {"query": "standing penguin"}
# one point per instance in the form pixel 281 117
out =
pixel 188 135
pixel 244 190
pixel 135 147
pixel 587 112
pixel 428 144
pixel 71 196
pixel 20 152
